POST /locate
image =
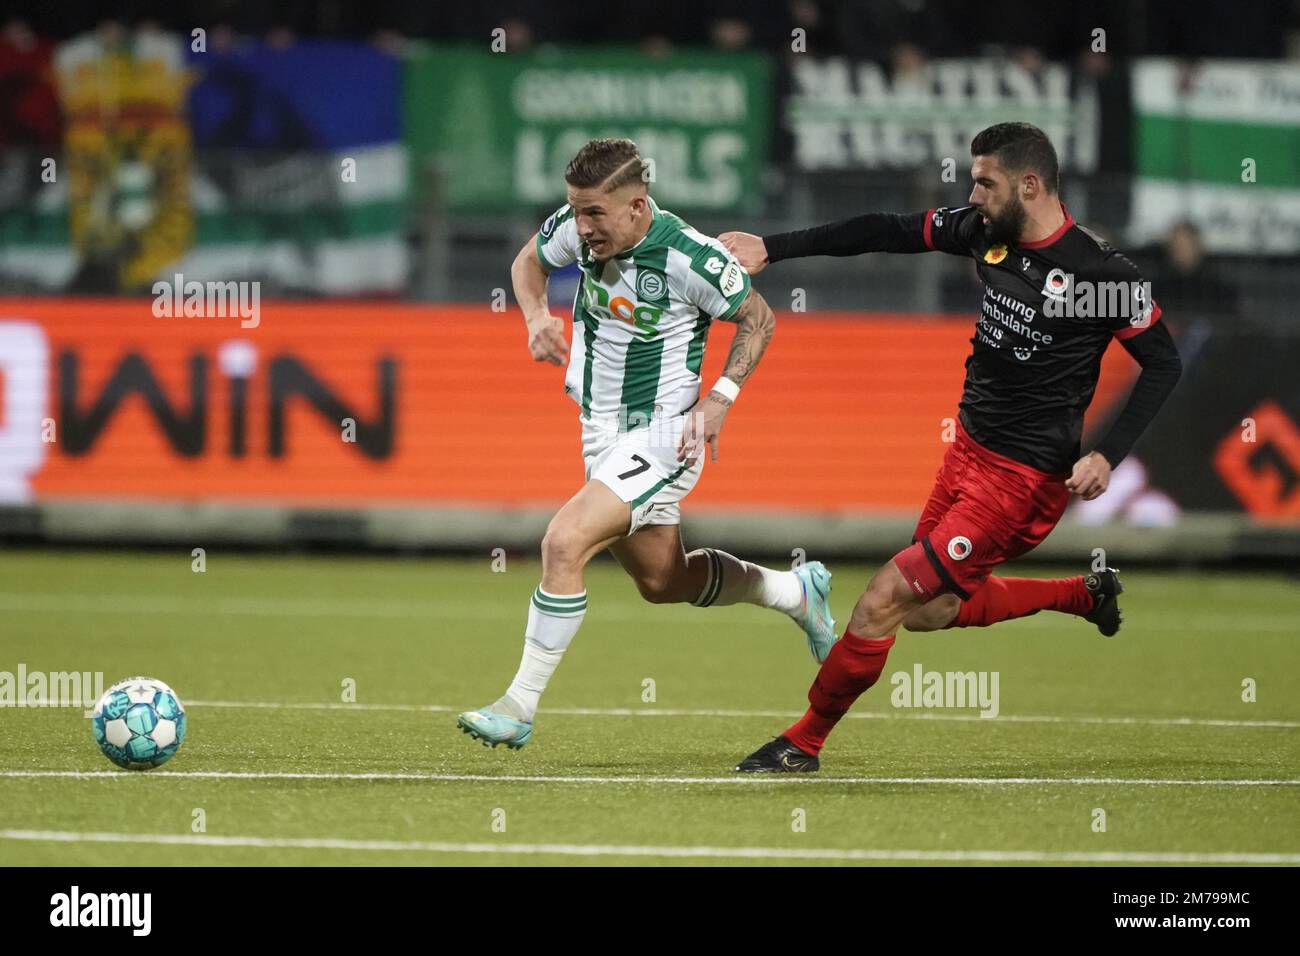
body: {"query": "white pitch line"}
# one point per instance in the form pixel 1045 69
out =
pixel 674 852
pixel 775 714
pixel 744 780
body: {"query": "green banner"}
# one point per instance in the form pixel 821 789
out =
pixel 490 132
pixel 1218 144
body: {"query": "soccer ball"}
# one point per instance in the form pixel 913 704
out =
pixel 139 723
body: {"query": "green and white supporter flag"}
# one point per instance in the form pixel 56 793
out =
pixel 1218 145
pixel 641 318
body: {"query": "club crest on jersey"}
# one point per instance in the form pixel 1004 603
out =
pixel 1057 285
pixel 650 285
pixel 995 254
pixel 959 548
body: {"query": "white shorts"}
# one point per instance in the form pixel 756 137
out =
pixel 641 467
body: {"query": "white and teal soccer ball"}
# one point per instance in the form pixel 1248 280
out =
pixel 139 723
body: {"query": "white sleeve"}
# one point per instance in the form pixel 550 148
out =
pixel 557 240
pixel 717 284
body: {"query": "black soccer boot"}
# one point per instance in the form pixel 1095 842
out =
pixel 1105 588
pixel 779 756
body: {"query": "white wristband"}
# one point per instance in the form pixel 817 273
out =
pixel 727 388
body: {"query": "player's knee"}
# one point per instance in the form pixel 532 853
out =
pixel 876 612
pixel 562 546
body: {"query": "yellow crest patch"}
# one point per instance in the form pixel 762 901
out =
pixel 995 254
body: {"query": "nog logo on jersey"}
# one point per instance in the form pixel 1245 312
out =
pixel 643 318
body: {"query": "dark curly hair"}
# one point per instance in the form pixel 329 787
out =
pixel 1020 147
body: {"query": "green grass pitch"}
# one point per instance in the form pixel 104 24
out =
pixel 284 771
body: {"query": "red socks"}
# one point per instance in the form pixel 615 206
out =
pixel 853 665
pixel 1001 599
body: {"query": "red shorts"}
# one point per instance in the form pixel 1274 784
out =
pixel 985 509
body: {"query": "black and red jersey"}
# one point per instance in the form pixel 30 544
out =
pixel 1050 309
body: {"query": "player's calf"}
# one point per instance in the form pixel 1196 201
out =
pixel 933 615
pixel 884 604
pixel 803 594
pixel 588 522
pixel 1093 597
pixel 664 589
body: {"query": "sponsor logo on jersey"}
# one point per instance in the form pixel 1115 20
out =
pixel 644 319
pixel 733 279
pixel 995 254
pixel 1057 285
pixel 937 219
pixel 650 285
pixel 959 548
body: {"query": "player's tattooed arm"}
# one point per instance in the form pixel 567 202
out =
pixel 757 322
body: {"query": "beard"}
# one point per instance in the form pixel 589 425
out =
pixel 1005 227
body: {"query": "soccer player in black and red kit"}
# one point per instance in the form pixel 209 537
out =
pixel 1054 296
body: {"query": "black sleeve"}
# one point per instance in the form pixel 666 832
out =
pixel 1139 309
pixel 941 230
pixel 874 232
pixel 1155 351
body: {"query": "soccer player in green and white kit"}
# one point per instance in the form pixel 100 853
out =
pixel 650 287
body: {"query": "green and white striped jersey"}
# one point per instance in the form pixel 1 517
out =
pixel 640 319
